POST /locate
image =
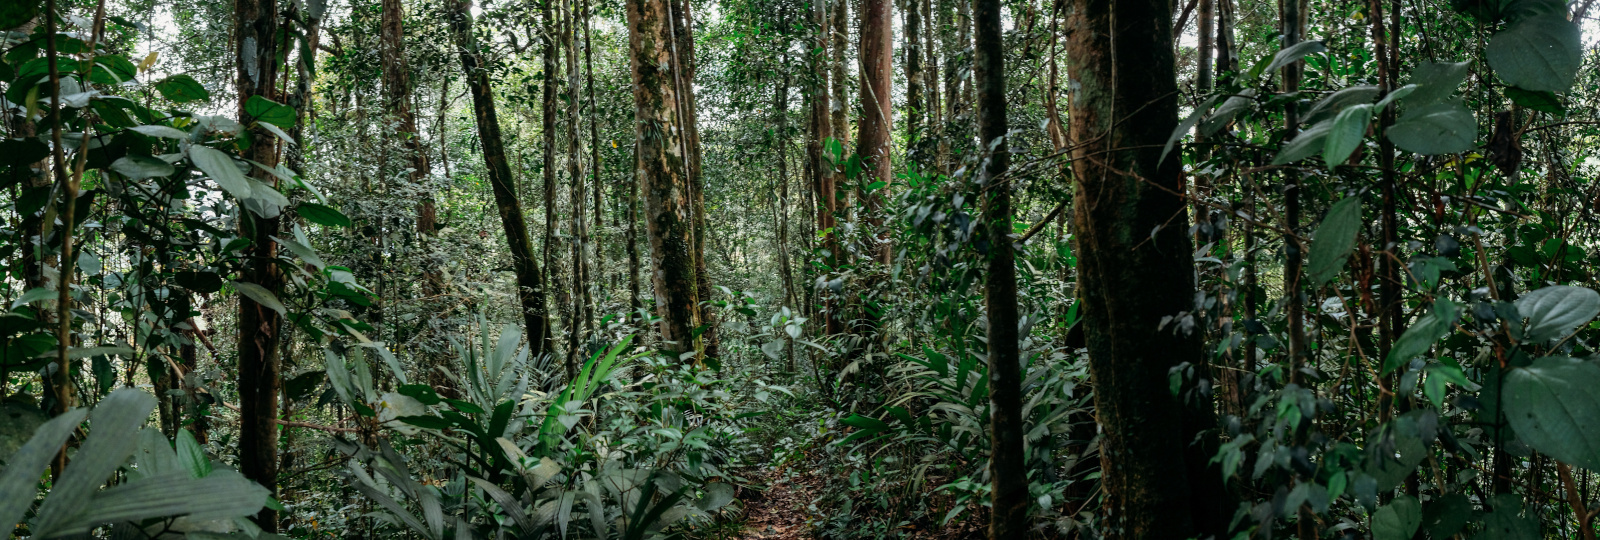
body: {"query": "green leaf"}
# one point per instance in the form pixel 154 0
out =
pixel 19 480
pixel 1422 334
pixel 220 167
pixel 271 112
pixel 141 167
pixel 1294 53
pixel 1397 520
pixel 1435 81
pixel 182 88
pixel 1349 128
pixel 1540 53
pixel 14 13
pixel 168 132
pixel 426 422
pixel 322 215
pixel 1336 236
pixel 1398 93
pixel 1224 114
pixel 420 392
pixel 1437 128
pixel 1186 125
pixel 1542 101
pixel 113 436
pixel 1552 405
pixel 1304 145
pixel 304 252
pixel 113 69
pixel 865 422
pixel 1503 523
pixel 1445 516
pixel 1556 311
pixel 1336 102
pixel 192 455
pixel 260 295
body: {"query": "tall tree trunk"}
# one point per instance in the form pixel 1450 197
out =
pixel 682 31
pixel 579 326
pixel 915 109
pixel 1008 470
pixel 661 166
pixel 839 112
pixel 933 105
pixel 877 108
pixel 780 108
pixel 256 45
pixel 547 111
pixel 822 169
pixel 597 255
pixel 530 292
pixel 1156 481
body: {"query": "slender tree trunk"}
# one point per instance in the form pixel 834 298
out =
pixel 839 111
pixel 256 47
pixel 932 105
pixel 915 109
pixel 597 255
pixel 1008 471
pixel 1134 269
pixel 877 108
pixel 682 31
pixel 530 294
pixel 579 326
pixel 823 168
pixel 661 166
pixel 547 111
pixel 780 108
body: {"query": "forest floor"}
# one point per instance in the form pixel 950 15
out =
pixel 779 513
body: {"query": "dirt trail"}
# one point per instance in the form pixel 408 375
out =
pixel 779 513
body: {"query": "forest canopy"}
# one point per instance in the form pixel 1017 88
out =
pixel 1215 269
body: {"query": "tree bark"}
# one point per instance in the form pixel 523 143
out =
pixel 256 47
pixel 547 111
pixel 530 292
pixel 1008 470
pixel 661 167
pixel 1135 269
pixel 579 325
pixel 877 107
pixel 823 169
pixel 682 32
pixel 915 109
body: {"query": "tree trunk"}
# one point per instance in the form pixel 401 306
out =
pixel 597 255
pixel 1008 470
pixel 822 167
pixel 547 111
pixel 661 166
pixel 256 47
pixel 915 109
pixel 1135 269
pixel 877 107
pixel 933 106
pixel 682 31
pixel 579 324
pixel 839 112
pixel 780 108
pixel 530 293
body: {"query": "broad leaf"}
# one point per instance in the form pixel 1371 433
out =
pixel 1422 334
pixel 220 167
pixel 1186 125
pixel 114 426
pixel 1336 236
pixel 1398 520
pixel 182 88
pixel 1304 145
pixel 261 296
pixel 1330 106
pixel 1552 405
pixel 1224 114
pixel 141 167
pixel 267 111
pixel 19 481
pixel 322 215
pixel 1437 128
pixel 1556 311
pixel 156 130
pixel 1349 128
pixel 1435 81
pixel 1445 516
pixel 1294 53
pixel 1542 101
pixel 1539 53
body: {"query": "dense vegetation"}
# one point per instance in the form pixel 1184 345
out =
pixel 799 268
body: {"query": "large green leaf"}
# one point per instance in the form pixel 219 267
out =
pixel 1294 53
pixel 1437 128
pixel 1336 102
pixel 1186 125
pixel 1443 517
pixel 114 426
pixel 141 167
pixel 182 88
pixel 1397 520
pixel 265 110
pixel 1349 128
pixel 1336 236
pixel 322 215
pixel 1503 523
pixel 1225 113
pixel 260 295
pixel 19 481
pixel 1543 101
pixel 1553 407
pixel 220 167
pixel 1540 53
pixel 1555 311
pixel 1421 335
pixel 1435 81
pixel 1304 145
pixel 14 13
